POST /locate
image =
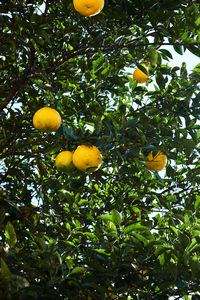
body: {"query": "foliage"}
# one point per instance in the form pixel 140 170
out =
pixel 90 229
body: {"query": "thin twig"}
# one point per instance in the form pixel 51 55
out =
pixel 82 51
pixel 27 154
pixel 21 81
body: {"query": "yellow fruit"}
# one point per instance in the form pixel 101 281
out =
pixel 157 162
pixel 83 296
pixel 140 76
pixel 110 295
pixel 141 273
pixel 87 158
pixel 64 161
pixel 46 119
pixel 88 7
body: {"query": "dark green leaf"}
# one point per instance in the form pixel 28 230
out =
pixel 116 218
pixel 10 235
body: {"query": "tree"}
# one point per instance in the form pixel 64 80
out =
pixel 122 227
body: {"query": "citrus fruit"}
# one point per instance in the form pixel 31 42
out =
pixel 81 295
pixel 140 76
pixel 141 273
pixel 88 7
pixel 46 119
pixel 64 161
pixel 110 295
pixel 87 158
pixel 157 162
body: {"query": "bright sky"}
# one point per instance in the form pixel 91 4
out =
pixel 191 61
pixel 189 58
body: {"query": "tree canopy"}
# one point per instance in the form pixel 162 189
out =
pixel 122 232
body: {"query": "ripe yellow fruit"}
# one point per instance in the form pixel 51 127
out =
pixel 47 119
pixel 157 162
pixel 140 76
pixel 87 158
pixel 83 296
pixel 110 295
pixel 64 161
pixel 141 273
pixel 88 7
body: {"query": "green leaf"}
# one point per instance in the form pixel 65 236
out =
pixel 160 249
pixel 98 63
pixel 197 22
pixel 52 149
pixel 68 227
pixel 105 71
pixel 166 53
pixel 186 220
pixel 191 246
pixel 174 229
pixel 132 84
pixel 83 202
pixel 174 69
pixel 5 272
pixel 45 35
pixel 116 218
pixel 184 240
pixel 10 235
pixel 196 68
pixel 179 49
pixel 160 80
pixel 195 266
pixel 70 243
pixel 195 50
pixel 141 238
pixel 197 202
pixel 143 69
pixel 78 270
pixel 161 258
pixel 102 251
pixel 91 236
pixel 153 57
pixel 135 227
pixel 106 217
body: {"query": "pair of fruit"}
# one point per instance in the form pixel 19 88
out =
pixel 85 158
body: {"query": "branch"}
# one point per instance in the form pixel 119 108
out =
pixel 28 154
pixel 133 44
pixel 21 81
pixel 12 152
